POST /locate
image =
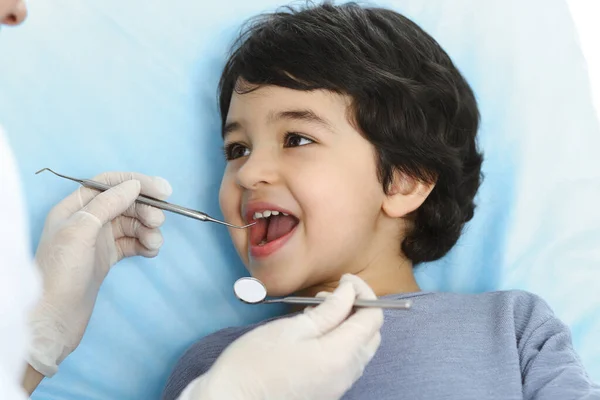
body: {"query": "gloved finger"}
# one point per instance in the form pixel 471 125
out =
pixel 363 290
pixel 357 330
pixel 371 348
pixel 150 186
pixel 149 216
pixel 151 239
pixel 130 247
pixel 365 322
pixel 109 204
pixel 332 311
pixel 322 294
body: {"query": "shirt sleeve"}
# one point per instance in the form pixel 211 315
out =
pixel 194 363
pixel 550 367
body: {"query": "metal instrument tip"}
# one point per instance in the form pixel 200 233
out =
pixel 211 219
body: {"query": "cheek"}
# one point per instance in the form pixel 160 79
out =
pixel 342 200
pixel 230 197
pixel 230 203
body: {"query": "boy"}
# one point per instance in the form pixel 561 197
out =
pixel 351 141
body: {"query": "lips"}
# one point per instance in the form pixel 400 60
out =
pixel 274 227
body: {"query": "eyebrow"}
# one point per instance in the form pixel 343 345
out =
pixel 230 127
pixel 304 115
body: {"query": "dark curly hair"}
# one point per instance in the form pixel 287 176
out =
pixel 408 100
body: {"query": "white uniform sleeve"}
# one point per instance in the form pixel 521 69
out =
pixel 19 283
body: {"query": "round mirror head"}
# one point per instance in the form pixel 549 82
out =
pixel 250 290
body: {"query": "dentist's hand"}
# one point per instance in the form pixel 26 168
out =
pixel 83 237
pixel 315 355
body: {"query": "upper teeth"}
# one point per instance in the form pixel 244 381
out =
pixel 267 214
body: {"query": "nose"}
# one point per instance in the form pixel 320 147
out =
pixel 16 15
pixel 261 168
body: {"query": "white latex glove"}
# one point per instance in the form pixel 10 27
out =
pixel 315 355
pixel 83 237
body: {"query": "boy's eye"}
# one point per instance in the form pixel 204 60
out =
pixel 235 150
pixel 295 140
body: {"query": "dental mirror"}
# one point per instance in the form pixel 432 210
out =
pixel 252 291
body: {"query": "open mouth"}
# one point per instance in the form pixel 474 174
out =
pixel 270 226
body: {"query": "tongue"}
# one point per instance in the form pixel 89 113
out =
pixel 259 231
pixel 280 225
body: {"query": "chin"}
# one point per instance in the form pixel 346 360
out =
pixel 278 283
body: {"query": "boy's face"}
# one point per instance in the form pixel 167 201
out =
pixel 296 152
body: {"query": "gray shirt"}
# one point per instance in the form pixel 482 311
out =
pixel 499 345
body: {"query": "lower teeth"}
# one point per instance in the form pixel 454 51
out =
pixel 262 243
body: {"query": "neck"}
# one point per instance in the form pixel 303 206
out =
pixel 384 276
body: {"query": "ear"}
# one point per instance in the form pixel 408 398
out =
pixel 405 195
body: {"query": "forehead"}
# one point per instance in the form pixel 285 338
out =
pixel 266 102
